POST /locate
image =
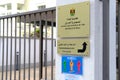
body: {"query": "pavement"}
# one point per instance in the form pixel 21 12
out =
pixel 31 74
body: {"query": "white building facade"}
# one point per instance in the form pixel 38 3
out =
pixel 8 7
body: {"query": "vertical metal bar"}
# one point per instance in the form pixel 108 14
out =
pixel 52 47
pixel 0 29
pixel 105 39
pixel 41 48
pixel 11 53
pixel 7 51
pixel 24 45
pixel 20 48
pixel 15 49
pixel 45 45
pixel 3 52
pixel 1 47
pixel 29 45
pixel 118 40
pixel 34 46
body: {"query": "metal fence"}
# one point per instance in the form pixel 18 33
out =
pixel 22 39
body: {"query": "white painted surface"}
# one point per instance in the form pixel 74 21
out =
pixel 50 3
pixel 112 47
pixel 92 65
pixel 36 3
pixel 98 40
pixel 10 1
pixel 0 52
pixel 13 7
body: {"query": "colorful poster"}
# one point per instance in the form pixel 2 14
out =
pixel 72 65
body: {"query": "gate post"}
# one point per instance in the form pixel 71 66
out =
pixel 109 39
pixel 80 40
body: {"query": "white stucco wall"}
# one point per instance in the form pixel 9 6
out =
pixel 92 65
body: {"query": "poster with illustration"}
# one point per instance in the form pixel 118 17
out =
pixel 72 65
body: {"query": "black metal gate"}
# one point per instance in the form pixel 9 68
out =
pixel 27 45
pixel 118 38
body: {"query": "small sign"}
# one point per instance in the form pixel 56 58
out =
pixel 71 77
pixel 74 20
pixel 72 65
pixel 74 47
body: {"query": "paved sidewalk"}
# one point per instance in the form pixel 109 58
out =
pixel 31 74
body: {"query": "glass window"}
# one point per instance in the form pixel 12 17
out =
pixel 41 7
pixel 8 6
pixel 19 6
